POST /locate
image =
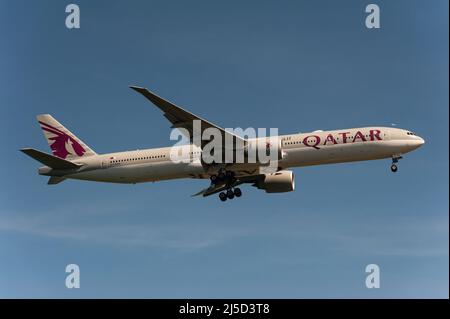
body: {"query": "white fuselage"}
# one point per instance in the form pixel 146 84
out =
pixel 304 149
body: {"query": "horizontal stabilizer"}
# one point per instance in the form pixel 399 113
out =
pixel 49 160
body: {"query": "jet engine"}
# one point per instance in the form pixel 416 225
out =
pixel 279 182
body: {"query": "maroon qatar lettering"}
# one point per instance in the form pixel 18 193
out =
pixel 360 136
pixel 315 140
pixel 375 134
pixel 313 143
pixel 330 138
pixel 344 136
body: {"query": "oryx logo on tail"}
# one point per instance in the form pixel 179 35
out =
pixel 62 142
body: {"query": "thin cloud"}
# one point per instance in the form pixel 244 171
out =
pixel 399 238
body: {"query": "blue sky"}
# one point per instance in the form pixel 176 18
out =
pixel 295 65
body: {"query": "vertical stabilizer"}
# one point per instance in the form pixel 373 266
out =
pixel 62 142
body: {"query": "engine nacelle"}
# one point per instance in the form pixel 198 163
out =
pixel 279 182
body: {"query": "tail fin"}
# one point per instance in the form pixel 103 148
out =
pixel 63 143
pixel 49 160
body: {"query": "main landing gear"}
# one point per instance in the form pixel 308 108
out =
pixel 226 177
pixel 394 166
pixel 230 194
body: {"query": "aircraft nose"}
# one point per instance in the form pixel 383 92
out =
pixel 415 142
pixel 418 142
pixel 421 141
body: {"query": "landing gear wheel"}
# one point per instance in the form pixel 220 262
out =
pixel 223 196
pixel 394 168
pixel 237 192
pixel 230 194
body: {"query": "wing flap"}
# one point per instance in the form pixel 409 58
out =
pixel 213 189
pixel 216 188
pixel 55 180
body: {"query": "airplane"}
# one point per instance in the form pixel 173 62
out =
pixel 73 159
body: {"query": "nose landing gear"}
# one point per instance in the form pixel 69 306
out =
pixel 394 166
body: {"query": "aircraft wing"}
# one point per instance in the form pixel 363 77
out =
pixel 181 118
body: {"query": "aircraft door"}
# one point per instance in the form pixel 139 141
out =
pixel 386 134
pixel 106 162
